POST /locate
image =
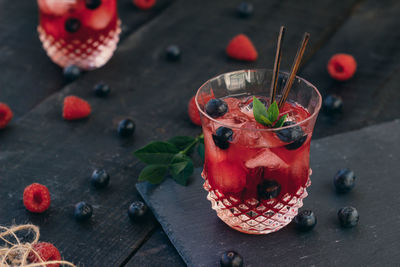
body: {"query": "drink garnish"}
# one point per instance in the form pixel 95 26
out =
pixel 169 157
pixel 294 69
pixel 267 117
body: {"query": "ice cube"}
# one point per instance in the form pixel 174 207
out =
pixel 56 7
pixel 266 158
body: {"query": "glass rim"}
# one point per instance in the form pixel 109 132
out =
pixel 312 116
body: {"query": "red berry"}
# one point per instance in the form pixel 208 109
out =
pixel 241 48
pixel 47 252
pixel 144 4
pixel 5 115
pixel 342 66
pixel 227 177
pixel 193 112
pixel 75 108
pixel 36 198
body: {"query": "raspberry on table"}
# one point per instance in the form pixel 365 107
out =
pixel 144 4
pixel 342 66
pixel 241 48
pixel 5 115
pixel 36 198
pixel 193 112
pixel 75 108
pixel 47 252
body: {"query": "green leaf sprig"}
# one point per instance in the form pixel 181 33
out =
pixel 170 157
pixel 267 117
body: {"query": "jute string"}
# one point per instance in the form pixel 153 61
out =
pixel 14 253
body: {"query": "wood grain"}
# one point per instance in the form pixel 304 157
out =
pixel 27 75
pixel 42 147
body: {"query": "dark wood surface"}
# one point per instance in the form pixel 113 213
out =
pixel 201 237
pixel 39 146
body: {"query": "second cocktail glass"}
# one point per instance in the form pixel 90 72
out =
pixel 256 177
pixel 79 32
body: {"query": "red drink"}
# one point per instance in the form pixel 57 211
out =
pixel 256 176
pixel 80 32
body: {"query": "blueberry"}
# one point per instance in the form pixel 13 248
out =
pixel 293 135
pixel 333 104
pixel 344 180
pixel 83 211
pixel 231 259
pixel 100 178
pixel 72 25
pixel 136 210
pixel 126 128
pixel 222 137
pixel 245 10
pixel 71 73
pixel 92 4
pixel 102 89
pixel 173 53
pixel 305 220
pixel 216 107
pixel 268 189
pixel 348 217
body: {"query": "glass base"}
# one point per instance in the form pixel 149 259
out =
pixel 87 55
pixel 253 217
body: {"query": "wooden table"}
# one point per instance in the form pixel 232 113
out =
pixel 39 146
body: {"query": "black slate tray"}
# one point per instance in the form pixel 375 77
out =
pixel 373 153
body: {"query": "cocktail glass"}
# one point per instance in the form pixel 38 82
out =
pixel 79 32
pixel 256 177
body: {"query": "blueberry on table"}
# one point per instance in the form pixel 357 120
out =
pixel 102 89
pixel 268 189
pixel 100 178
pixel 83 211
pixel 231 259
pixel 245 10
pixel 71 73
pixel 305 220
pixel 333 104
pixel 173 53
pixel 344 180
pixel 137 210
pixel 348 217
pixel 216 107
pixel 222 137
pixel 126 128
pixel 293 135
pixel 72 25
pixel 92 4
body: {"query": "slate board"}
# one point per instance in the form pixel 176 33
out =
pixel 200 237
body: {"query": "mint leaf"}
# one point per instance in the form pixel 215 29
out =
pixel 153 173
pixel 266 121
pixel 157 153
pixel 280 122
pixel 181 168
pixel 181 142
pixel 259 111
pixel 273 111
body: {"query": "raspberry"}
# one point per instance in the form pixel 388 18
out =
pixel 36 198
pixel 241 48
pixel 5 115
pixel 342 66
pixel 75 108
pixel 193 112
pixel 144 4
pixel 47 252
